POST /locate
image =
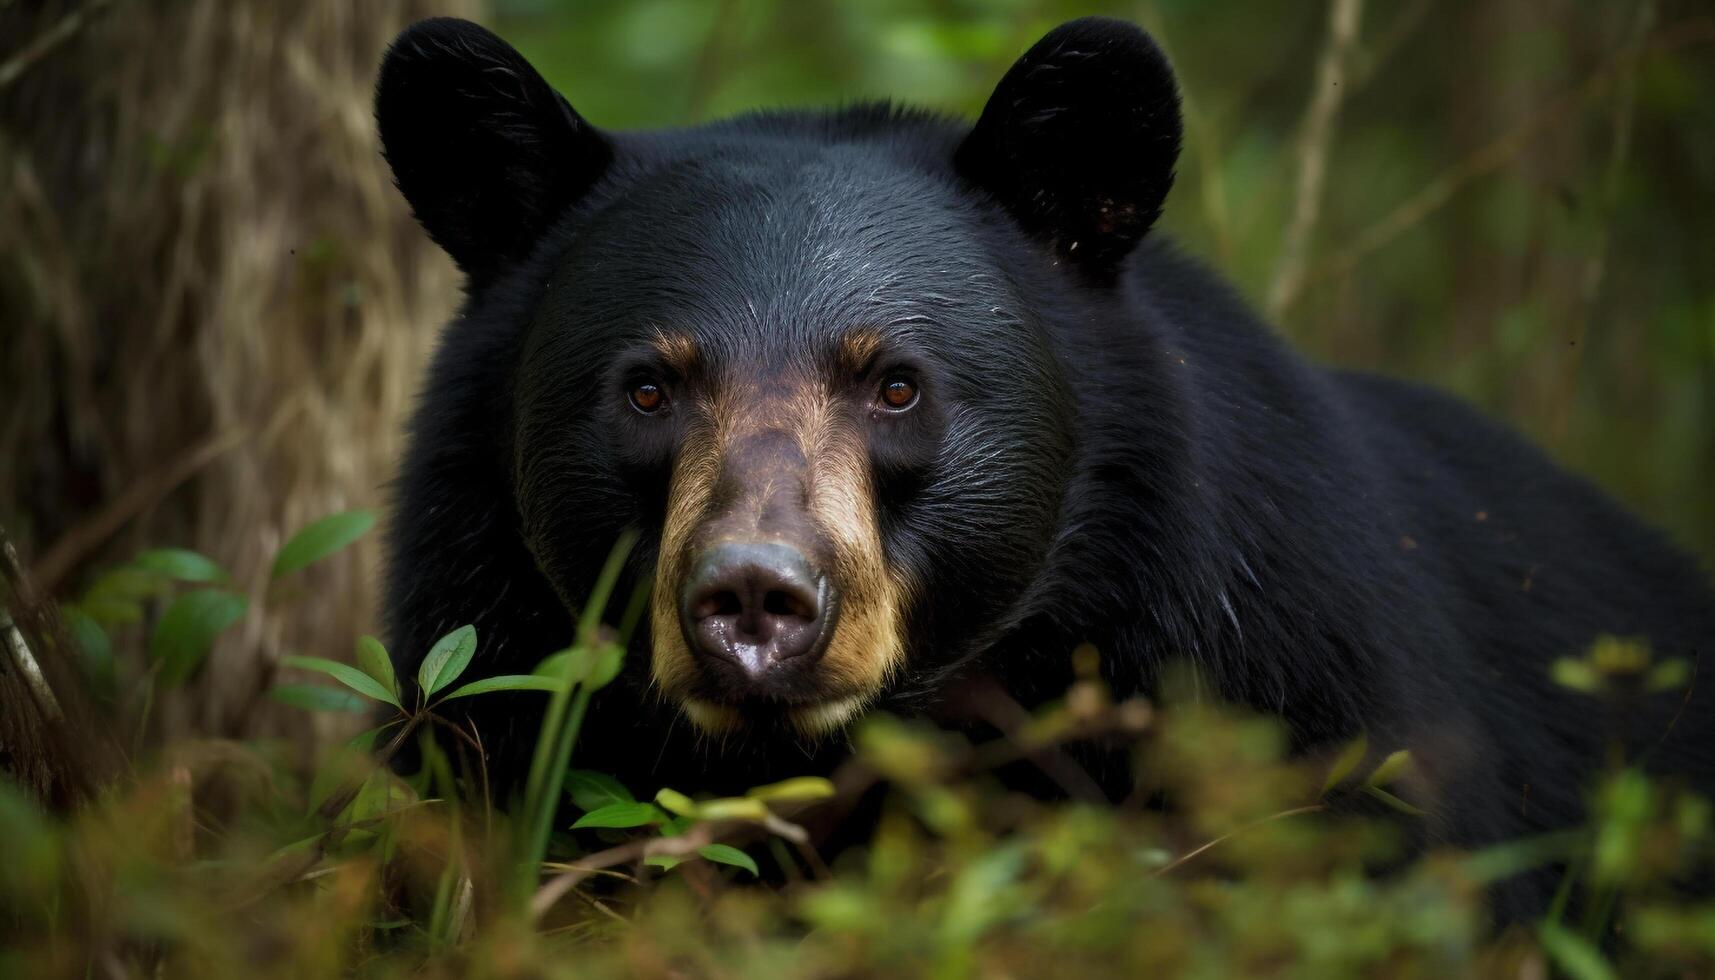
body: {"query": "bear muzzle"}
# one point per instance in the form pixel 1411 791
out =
pixel 774 604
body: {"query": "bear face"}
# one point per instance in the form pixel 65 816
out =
pixel 792 352
pixel 713 363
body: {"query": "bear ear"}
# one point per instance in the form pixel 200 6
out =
pixel 485 151
pixel 1079 140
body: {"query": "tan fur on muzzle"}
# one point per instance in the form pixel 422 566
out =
pixel 867 644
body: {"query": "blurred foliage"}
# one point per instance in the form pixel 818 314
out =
pixel 1536 177
pixel 217 857
pixel 207 857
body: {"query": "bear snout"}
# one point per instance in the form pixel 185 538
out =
pixel 757 613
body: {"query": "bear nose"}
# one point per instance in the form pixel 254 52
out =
pixel 755 605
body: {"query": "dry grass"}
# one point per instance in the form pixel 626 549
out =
pixel 215 306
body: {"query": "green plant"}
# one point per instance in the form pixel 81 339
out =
pixel 211 850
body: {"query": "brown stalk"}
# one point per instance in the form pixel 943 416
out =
pixel 45 43
pixel 1501 149
pixel 1315 138
pixel 79 543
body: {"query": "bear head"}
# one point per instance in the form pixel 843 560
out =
pixel 812 359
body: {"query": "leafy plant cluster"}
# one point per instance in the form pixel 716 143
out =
pixel 214 857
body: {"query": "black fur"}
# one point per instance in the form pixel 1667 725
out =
pixel 1115 449
pixel 486 152
pixel 1079 140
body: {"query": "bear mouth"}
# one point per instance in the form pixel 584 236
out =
pixel 810 718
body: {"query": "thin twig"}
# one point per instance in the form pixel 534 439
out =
pixel 1314 140
pixel 77 544
pixel 1596 264
pixel 1498 151
pixel 62 31
pixel 28 668
pixel 1370 58
pixel 634 850
pixel 1247 828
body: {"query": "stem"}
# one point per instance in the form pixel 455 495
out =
pixel 1188 855
pixel 543 818
pixel 1314 140
pixel 554 743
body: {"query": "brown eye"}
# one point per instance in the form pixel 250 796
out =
pixel 648 398
pixel 898 394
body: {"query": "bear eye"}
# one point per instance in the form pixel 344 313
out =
pixel 898 394
pixel 647 398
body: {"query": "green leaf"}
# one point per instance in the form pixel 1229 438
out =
pixel 677 826
pixel 591 790
pixel 187 629
pixel 605 666
pixel 1346 762
pixel 346 674
pixel 1391 768
pixel 319 697
pixel 380 793
pixel 347 765
pixel 111 610
pixel 1502 861
pixel 126 582
pixel 116 597
pixel 793 790
pixel 295 847
pixel 321 539
pixel 373 659
pixel 1669 675
pixel 1578 675
pixel 95 651
pixel 35 853
pixel 365 741
pixel 1393 801
pixel 619 815
pixel 1574 954
pixel 571 665
pixel 505 682
pixel 179 563
pixel 666 862
pixel 674 801
pixel 977 898
pixel 447 659
pixel 732 808
pixel 727 854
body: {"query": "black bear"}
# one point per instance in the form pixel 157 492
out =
pixel 894 401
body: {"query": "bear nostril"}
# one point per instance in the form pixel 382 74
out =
pixel 778 603
pixel 722 603
pixel 753 604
